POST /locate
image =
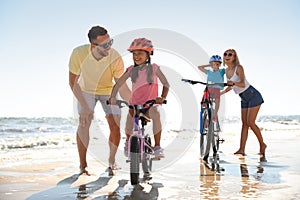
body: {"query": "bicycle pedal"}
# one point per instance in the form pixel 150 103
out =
pixel 221 169
pixel 147 177
pixel 221 140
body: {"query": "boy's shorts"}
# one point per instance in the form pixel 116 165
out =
pixel 91 100
pixel 214 92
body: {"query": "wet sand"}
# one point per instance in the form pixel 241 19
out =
pixel 53 173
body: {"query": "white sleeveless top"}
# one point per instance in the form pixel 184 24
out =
pixel 236 78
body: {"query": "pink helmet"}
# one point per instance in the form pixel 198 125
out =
pixel 141 44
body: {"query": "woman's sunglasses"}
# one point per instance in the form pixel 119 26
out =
pixel 228 54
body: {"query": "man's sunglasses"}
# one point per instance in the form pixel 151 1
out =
pixel 105 45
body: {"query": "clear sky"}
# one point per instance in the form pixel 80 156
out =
pixel 37 38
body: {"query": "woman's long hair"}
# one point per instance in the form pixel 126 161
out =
pixel 236 61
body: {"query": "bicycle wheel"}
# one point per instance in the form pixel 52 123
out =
pixel 206 135
pixel 203 132
pixel 147 150
pixel 134 160
pixel 148 142
pixel 215 142
pixel 216 139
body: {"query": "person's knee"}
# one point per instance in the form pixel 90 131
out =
pixel 251 124
pixel 129 128
pixel 83 130
pixel 154 113
pixel 113 120
pixel 157 127
pixel 114 128
pixel 245 124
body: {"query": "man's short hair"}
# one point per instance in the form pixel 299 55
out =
pixel 96 31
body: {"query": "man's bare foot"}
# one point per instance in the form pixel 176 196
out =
pixel 110 171
pixel 84 171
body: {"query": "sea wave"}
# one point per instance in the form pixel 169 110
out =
pixel 18 133
pixel 55 140
pixel 22 132
pixel 36 125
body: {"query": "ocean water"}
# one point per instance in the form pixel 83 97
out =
pixel 21 133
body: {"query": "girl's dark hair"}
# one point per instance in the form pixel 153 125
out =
pixel 136 68
pixel 95 31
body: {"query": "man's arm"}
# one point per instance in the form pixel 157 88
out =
pixel 85 113
pixel 121 87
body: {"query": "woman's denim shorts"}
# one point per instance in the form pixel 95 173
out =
pixel 251 98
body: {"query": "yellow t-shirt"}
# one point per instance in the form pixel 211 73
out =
pixel 96 77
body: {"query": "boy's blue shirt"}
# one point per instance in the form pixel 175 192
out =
pixel 216 77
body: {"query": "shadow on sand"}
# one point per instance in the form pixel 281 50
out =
pixel 63 190
pixel 135 193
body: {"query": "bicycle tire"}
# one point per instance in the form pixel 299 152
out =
pixel 216 142
pixel 148 142
pixel 134 160
pixel 206 135
pixel 203 133
pixel 216 137
pixel 147 150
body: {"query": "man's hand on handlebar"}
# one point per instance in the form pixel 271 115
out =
pixel 112 101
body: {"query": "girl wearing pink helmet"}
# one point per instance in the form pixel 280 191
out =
pixel 144 76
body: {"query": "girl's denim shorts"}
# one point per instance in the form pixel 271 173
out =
pixel 251 98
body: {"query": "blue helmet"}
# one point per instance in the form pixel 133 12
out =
pixel 215 58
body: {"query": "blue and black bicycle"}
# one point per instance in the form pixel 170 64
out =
pixel 209 129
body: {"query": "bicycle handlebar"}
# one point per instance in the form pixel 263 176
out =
pixel 152 102
pixel 203 83
pixel 149 103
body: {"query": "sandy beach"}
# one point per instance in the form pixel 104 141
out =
pixel 52 173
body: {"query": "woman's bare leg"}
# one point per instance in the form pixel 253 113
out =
pixel 252 114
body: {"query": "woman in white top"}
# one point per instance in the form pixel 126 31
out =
pixel 251 100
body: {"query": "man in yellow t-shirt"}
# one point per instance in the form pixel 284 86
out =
pixel 93 69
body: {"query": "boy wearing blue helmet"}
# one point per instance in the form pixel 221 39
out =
pixel 216 75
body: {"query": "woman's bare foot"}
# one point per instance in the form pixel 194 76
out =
pixel 263 149
pixel 239 152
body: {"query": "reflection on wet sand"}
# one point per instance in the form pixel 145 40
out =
pixel 249 187
pixel 210 179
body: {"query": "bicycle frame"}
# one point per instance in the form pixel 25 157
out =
pixel 139 131
pixel 208 101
